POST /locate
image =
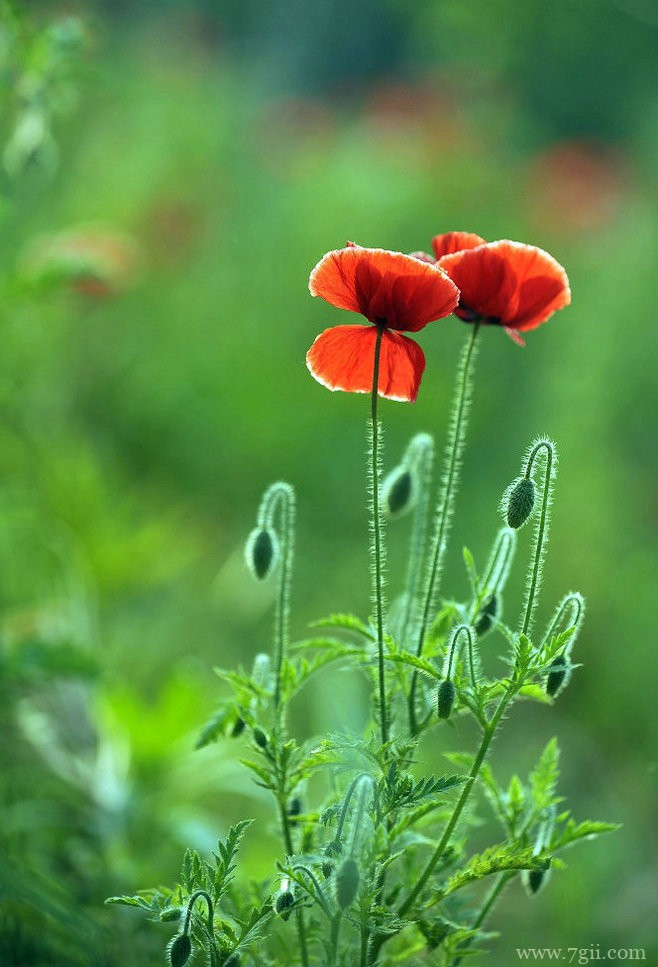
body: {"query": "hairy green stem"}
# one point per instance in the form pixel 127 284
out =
pixel 455 448
pixel 378 568
pixel 542 529
pixel 422 449
pixel 301 926
pixel 485 909
pixel 487 736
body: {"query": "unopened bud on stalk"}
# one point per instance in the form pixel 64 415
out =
pixel 398 492
pixel 445 698
pixel 284 900
pixel 238 727
pixel 347 883
pixel 260 738
pixel 180 950
pixel 518 502
pixel 262 552
pixel 487 613
pixel 535 879
pixel 558 675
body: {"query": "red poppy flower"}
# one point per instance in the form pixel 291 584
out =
pixel 395 292
pixel 503 283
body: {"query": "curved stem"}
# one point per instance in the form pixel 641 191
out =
pixel 542 529
pixel 455 448
pixel 376 521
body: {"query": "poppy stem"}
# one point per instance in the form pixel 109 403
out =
pixel 454 450
pixel 377 569
pixel 541 533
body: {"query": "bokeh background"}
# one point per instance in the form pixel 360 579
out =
pixel 171 171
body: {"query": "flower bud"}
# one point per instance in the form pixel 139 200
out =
pixel 535 879
pixel 282 903
pixel 487 613
pixel 445 698
pixel 347 883
pixel 180 950
pixel 558 675
pixel 262 552
pixel 398 492
pixel 260 738
pixel 519 501
pixel 238 727
pixel 294 809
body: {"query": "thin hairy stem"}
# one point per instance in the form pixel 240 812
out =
pixel 301 926
pixel 422 451
pixel 541 534
pixel 484 911
pixel 455 449
pixel 576 603
pixel 376 521
pixel 487 736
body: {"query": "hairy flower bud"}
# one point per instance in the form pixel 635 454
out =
pixel 262 552
pixel 558 675
pixel 445 698
pixel 347 883
pixel 282 903
pixel 519 501
pixel 485 616
pixel 398 492
pixel 260 738
pixel 180 950
pixel 535 879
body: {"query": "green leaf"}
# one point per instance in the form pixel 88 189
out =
pixel 543 778
pixel 406 658
pixel 348 622
pixel 573 831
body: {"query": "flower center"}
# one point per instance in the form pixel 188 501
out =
pixel 380 322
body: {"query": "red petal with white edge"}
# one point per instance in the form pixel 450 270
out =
pixel 451 242
pixel 403 291
pixel 542 284
pixel 342 358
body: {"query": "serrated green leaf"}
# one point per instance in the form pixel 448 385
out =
pixel 348 622
pixel 543 778
pixel 406 658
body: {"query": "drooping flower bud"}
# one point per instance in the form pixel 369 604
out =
pixel 558 675
pixel 180 950
pixel 347 883
pixel 284 900
pixel 487 613
pixel 398 492
pixel 260 738
pixel 535 879
pixel 262 552
pixel 238 727
pixel 445 698
pixel 519 500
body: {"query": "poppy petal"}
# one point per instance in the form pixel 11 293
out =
pixel 542 284
pixel 404 291
pixel 486 281
pixel 342 358
pixel 451 242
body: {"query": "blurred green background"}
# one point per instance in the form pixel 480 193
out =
pixel 171 172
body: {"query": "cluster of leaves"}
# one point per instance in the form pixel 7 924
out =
pixel 353 881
